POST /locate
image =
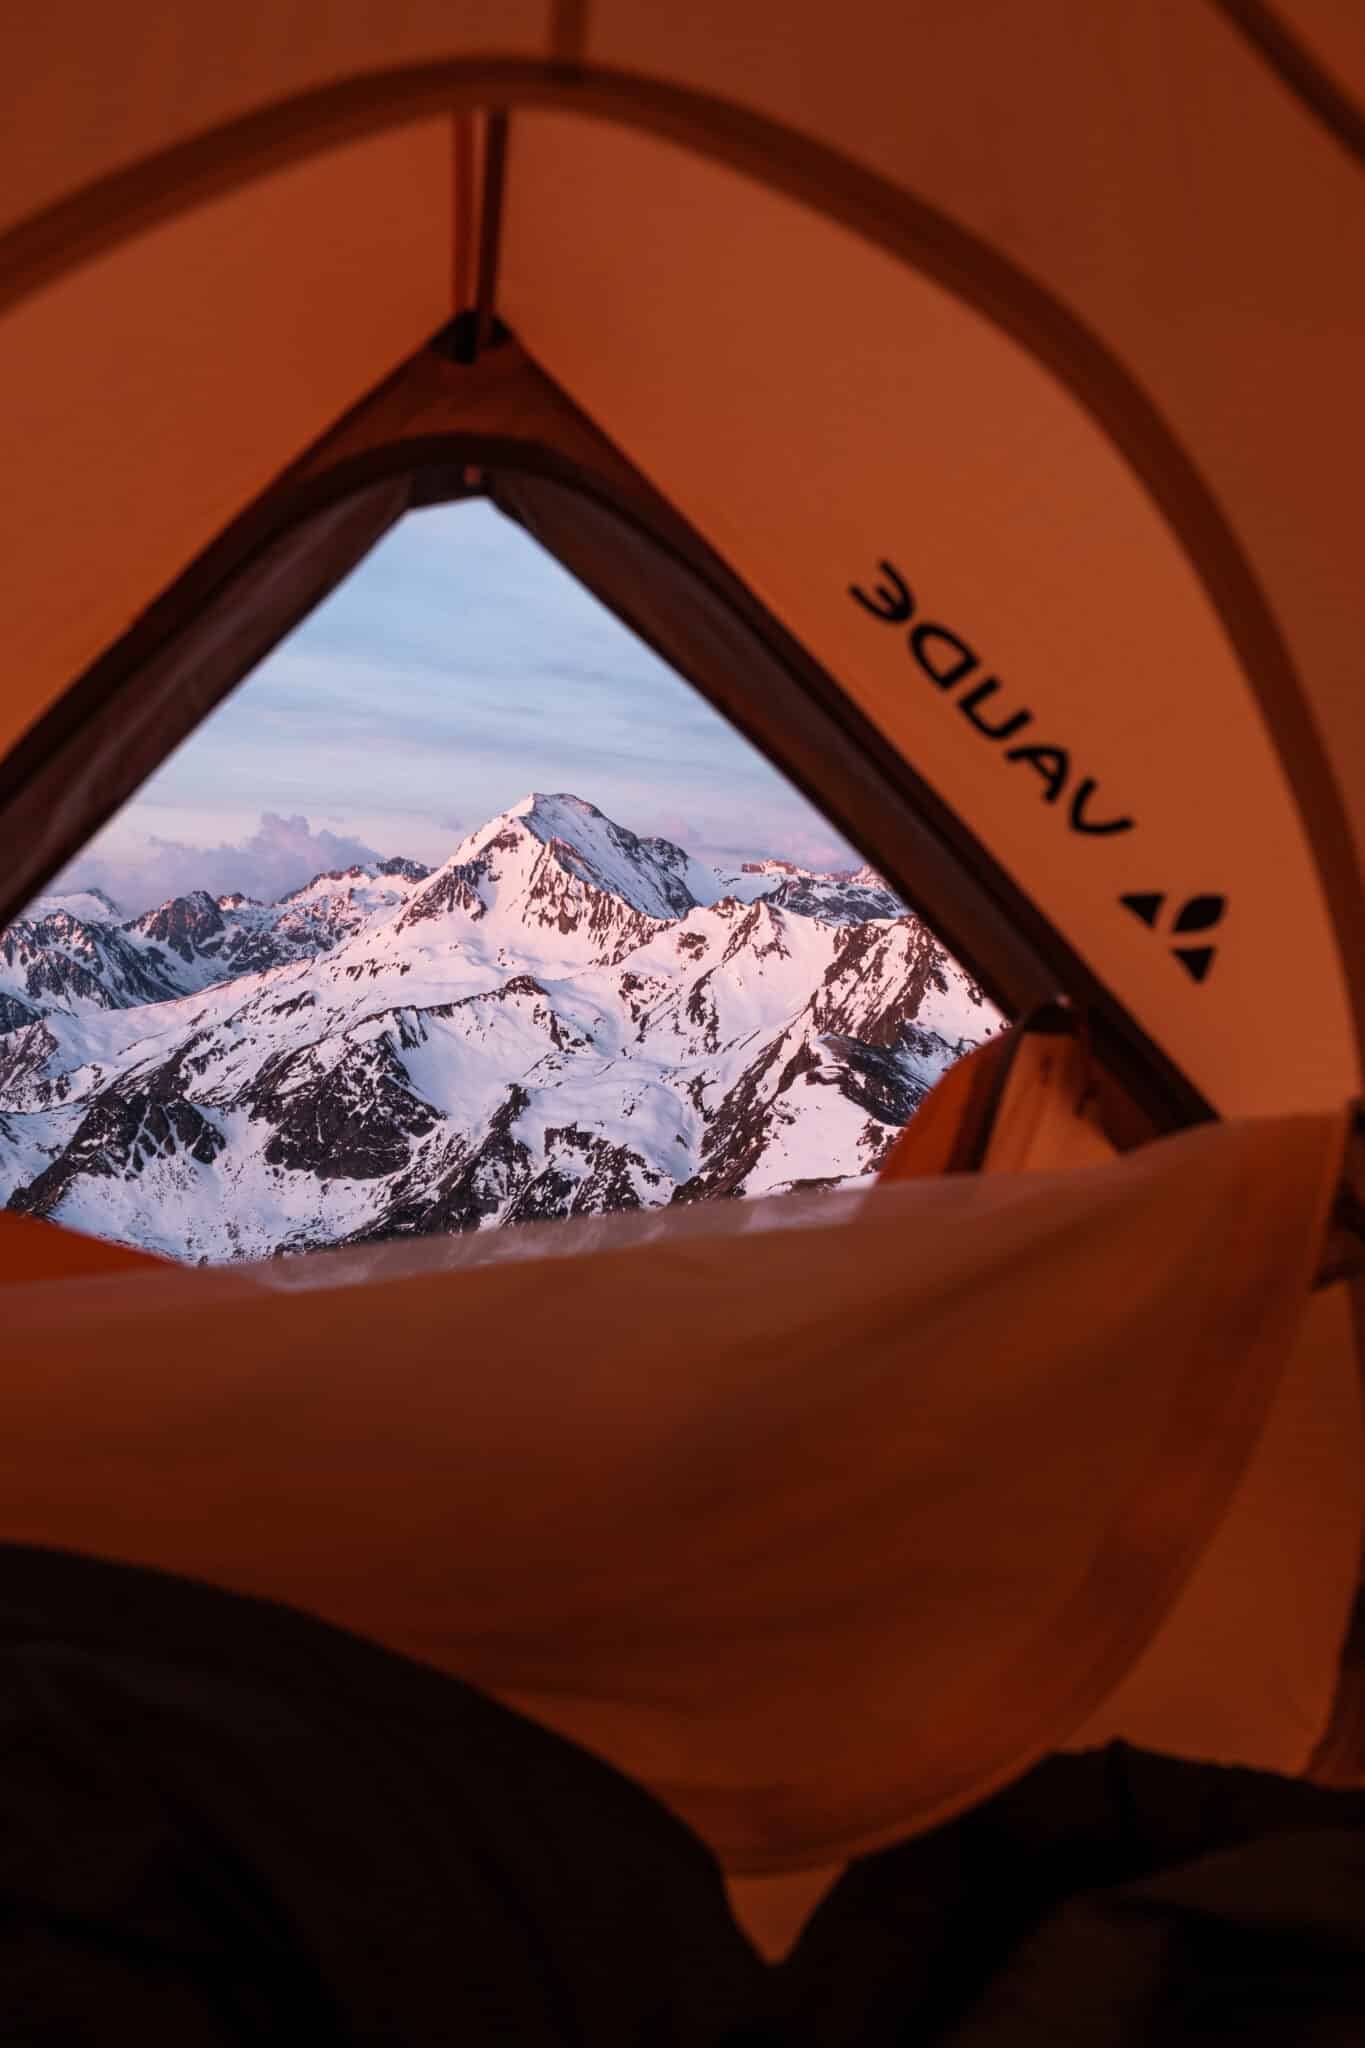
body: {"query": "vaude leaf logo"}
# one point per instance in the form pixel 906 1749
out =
pixel 1196 914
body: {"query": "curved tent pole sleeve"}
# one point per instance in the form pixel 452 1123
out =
pixel 490 233
pixel 478 196
pixel 1299 70
pixel 568 35
pixel 463 210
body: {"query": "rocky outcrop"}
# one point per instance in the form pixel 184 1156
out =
pixel 350 1118
pixel 120 1135
pixel 186 925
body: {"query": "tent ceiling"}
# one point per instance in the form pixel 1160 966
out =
pixel 108 87
pixel 885 420
pixel 151 394
pixel 1319 47
pixel 1160 218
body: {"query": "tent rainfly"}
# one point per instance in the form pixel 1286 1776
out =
pixel 992 457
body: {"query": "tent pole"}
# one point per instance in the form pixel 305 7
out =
pixel 490 240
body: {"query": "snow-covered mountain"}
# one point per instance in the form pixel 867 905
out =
pixel 563 1018
pixel 847 898
pixel 75 952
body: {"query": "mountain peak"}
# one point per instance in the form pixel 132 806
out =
pixel 183 923
pixel 328 880
pixel 355 873
pixel 83 901
pixel 651 877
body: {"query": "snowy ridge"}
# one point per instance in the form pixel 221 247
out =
pixel 562 1018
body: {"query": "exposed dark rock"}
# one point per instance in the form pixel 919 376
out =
pixel 118 1136
pixel 738 1131
pixel 475 1187
pixel 53 974
pixel 608 1181
pixel 835 899
pixel 879 1080
pixel 186 924
pixel 65 960
pixel 14 1015
pixel 760 932
pixel 24 1052
pixel 701 1011
pixel 452 889
pixel 352 1119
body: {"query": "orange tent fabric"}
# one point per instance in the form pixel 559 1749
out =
pixel 31 1250
pixel 870 1533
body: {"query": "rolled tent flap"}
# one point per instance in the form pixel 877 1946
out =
pixel 820 1517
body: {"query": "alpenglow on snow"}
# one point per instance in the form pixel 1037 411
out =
pixel 563 1019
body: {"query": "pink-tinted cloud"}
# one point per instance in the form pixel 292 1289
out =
pixel 280 855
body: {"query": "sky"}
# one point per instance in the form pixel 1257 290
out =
pixel 457 669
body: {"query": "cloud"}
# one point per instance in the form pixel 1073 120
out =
pixel 823 854
pixel 817 846
pixel 280 855
pixel 676 826
pixel 783 826
pixel 458 668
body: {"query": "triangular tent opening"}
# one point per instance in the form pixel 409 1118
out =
pixel 628 966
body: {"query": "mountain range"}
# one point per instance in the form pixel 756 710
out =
pixel 564 1018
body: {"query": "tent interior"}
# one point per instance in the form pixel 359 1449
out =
pixel 988 457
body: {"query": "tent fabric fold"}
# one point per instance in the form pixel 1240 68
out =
pixel 820 1518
